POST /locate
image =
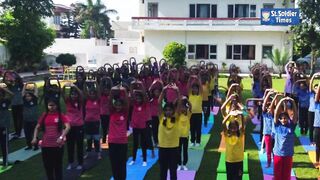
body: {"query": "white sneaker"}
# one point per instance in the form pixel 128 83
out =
pixel 79 167
pixel 197 145
pixel 131 163
pixel 86 156
pixel 69 167
pixel 192 144
pixel 144 163
pixel 179 168
pixel 185 168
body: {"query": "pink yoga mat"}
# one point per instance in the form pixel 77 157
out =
pixel 215 110
pixel 270 177
pixel 184 175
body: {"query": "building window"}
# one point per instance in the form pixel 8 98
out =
pixel 266 49
pixel 202 51
pixel 152 9
pixel 213 10
pixel 203 10
pixel 242 10
pixel 253 11
pixel 56 20
pixel 268 6
pixel 241 52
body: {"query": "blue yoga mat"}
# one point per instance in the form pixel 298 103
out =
pixel 137 171
pixel 21 155
pixel 263 157
pixel 305 142
pixel 206 130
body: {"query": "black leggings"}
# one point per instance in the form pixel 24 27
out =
pixel 195 127
pixel 155 127
pixel 206 111
pixel 118 159
pixel 105 126
pixel 17 116
pixel 28 131
pixel 303 120
pixel 234 170
pixel 75 138
pixel 142 135
pixel 183 148
pixel 93 135
pixel 311 121
pixel 52 161
pixel 168 160
pixel 317 141
pixel 4 145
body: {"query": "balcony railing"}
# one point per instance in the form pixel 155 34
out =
pixel 174 23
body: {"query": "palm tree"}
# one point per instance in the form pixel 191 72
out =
pixel 280 59
pixel 94 17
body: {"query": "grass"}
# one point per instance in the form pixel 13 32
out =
pixel 33 169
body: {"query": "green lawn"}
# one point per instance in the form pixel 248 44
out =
pixel 32 168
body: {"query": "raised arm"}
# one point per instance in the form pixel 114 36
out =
pixel 278 109
pixel 266 100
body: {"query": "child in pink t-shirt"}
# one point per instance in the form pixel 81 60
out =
pixel 51 123
pixel 105 85
pixel 155 91
pixel 74 112
pixel 92 119
pixel 140 116
pixel 117 137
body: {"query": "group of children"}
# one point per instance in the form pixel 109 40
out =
pixel 163 105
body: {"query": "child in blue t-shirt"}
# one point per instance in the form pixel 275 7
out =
pixel 316 125
pixel 302 92
pixel 284 126
pixel 267 128
pixel 312 92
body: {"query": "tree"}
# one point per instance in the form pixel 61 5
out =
pixel 306 35
pixel 94 18
pixel 175 53
pixel 25 34
pixel 66 59
pixel 280 59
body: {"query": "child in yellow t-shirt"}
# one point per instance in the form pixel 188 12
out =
pixel 233 128
pixel 195 98
pixel 184 125
pixel 168 135
pixel 205 80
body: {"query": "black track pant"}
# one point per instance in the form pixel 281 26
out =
pixel 28 131
pixel 195 127
pixel 234 170
pixel 17 116
pixel 155 127
pixel 183 151
pixel 206 111
pixel 303 120
pixel 310 122
pixel 316 134
pixel 105 127
pixel 4 145
pixel 139 135
pixel 75 138
pixel 118 159
pixel 168 160
pixel 52 161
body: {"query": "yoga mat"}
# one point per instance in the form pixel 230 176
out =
pixel 204 141
pixel 223 176
pixel 137 171
pixel 312 156
pixel 270 177
pixel 263 158
pixel 184 175
pixel 4 169
pixel 222 146
pixel 21 155
pixel 222 163
pixel 206 130
pixel 88 163
pixel 298 133
pixel 305 142
pixel 194 159
pixel 255 120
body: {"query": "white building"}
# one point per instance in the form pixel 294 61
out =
pixel 219 31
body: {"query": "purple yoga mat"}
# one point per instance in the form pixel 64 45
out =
pixel 184 175
pixel 255 120
pixel 270 177
pixel 215 110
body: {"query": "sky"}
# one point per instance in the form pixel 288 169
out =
pixel 126 8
